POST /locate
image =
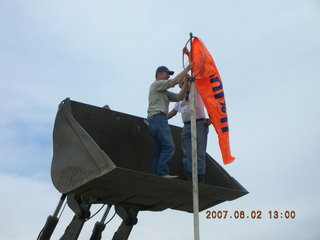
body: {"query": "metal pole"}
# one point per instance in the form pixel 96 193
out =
pixel 104 217
pixel 62 198
pixel 51 222
pixel 194 154
pixel 100 226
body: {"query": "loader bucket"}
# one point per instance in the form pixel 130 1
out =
pixel 107 156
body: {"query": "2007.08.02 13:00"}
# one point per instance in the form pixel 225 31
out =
pixel 224 214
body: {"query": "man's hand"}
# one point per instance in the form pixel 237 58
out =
pixel 186 51
pixel 190 66
pixel 208 122
pixel 171 114
pixel 185 82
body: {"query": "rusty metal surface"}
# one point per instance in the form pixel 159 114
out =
pixel 107 155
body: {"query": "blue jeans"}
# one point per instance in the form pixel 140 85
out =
pixel 164 145
pixel 202 133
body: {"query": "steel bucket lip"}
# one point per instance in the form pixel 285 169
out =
pixel 147 192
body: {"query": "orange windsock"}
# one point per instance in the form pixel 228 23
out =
pixel 209 85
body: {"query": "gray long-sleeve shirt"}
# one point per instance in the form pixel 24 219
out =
pixel 160 97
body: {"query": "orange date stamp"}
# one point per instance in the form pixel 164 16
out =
pixel 254 214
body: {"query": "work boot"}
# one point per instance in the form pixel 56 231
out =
pixel 170 176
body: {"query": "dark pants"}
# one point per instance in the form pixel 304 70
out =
pixel 164 146
pixel 202 133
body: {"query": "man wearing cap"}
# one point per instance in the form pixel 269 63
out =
pixel 159 99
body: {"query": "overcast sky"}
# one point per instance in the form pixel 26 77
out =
pixel 106 52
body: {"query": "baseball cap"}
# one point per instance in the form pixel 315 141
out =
pixel 164 69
